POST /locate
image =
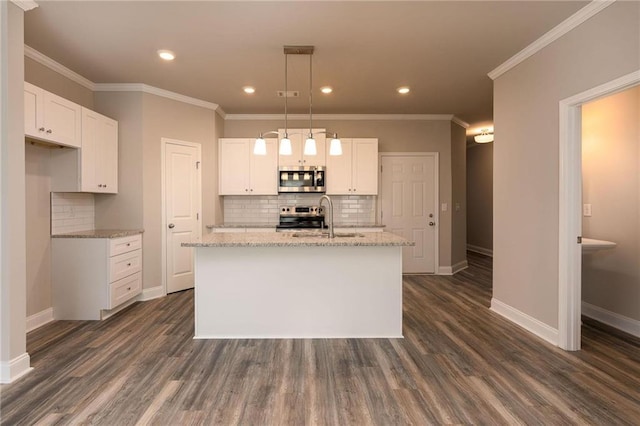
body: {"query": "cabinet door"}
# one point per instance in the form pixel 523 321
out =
pixel 320 158
pixel 364 166
pixel 264 170
pixel 339 171
pixel 62 120
pixel 234 166
pixel 295 159
pixel 33 117
pixel 108 154
pixel 89 153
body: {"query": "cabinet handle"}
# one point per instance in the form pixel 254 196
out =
pixel 41 129
pixel 49 131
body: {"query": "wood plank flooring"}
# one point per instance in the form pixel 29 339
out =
pixel 459 363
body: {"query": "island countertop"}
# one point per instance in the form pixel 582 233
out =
pixel 287 239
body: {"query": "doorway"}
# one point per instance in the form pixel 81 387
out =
pixel 181 205
pixel 570 212
pixel 409 206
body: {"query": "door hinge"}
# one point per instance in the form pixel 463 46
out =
pixel 197 216
pixel 579 239
pixel 197 165
pixel 380 168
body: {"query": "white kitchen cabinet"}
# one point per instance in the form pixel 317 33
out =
pixel 297 158
pixel 241 172
pixel 92 276
pixel 94 167
pixel 50 118
pixel 355 172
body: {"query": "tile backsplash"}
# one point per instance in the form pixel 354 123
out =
pixel 71 212
pixel 264 210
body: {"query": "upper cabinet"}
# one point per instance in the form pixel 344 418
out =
pixel 241 172
pixel 298 137
pixel 99 153
pixel 355 172
pixel 49 117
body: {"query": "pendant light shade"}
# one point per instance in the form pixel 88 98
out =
pixel 285 145
pixel 336 146
pixel 310 146
pixel 260 147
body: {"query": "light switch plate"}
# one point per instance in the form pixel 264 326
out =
pixel 444 207
pixel 586 210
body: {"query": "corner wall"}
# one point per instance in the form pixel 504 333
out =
pixel 480 197
pixel 526 153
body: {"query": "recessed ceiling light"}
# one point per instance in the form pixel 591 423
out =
pixel 403 90
pixel 249 90
pixel 326 90
pixel 167 55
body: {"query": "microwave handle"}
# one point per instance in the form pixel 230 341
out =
pixel 315 178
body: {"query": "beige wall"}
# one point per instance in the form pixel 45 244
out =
pixel 480 195
pixel 611 184
pixel 526 159
pixel 393 136
pixel 12 192
pixel 45 78
pixel 459 194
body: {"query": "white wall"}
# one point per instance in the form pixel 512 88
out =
pixel 480 196
pixel 611 184
pixel 526 151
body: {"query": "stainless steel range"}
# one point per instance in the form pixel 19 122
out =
pixel 295 218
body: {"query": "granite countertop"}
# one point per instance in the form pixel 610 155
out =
pixel 287 239
pixel 273 225
pixel 100 233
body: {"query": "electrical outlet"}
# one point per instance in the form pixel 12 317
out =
pixel 586 210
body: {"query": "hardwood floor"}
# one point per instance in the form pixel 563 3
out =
pixel 459 363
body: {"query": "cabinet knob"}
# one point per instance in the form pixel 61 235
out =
pixel 128 288
pixel 99 185
pixel 41 129
pixel 171 226
pixel 49 131
pixel 251 190
pixel 104 185
pixel 354 190
pixel 129 264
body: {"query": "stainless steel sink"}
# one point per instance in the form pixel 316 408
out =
pixel 326 235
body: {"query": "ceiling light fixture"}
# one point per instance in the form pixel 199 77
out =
pixel 249 90
pixel 310 148
pixel 484 137
pixel 167 55
pixel 403 90
pixel 326 90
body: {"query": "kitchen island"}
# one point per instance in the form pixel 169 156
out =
pixel 286 285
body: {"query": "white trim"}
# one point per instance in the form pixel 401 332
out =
pixel 15 369
pixel 454 269
pixel 163 232
pixel 436 188
pixel 38 320
pixel 582 15
pixel 338 117
pixel 108 313
pixel 151 293
pixel 460 122
pixel 141 87
pixel 25 5
pixel 626 324
pixel 481 250
pixel 525 321
pixel 32 53
pixel 570 208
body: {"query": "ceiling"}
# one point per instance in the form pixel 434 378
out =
pixel 364 50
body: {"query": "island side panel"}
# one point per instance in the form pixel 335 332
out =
pixel 298 292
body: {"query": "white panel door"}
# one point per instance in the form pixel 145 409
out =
pixel 182 204
pixel 408 201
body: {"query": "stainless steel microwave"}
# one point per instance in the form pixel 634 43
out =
pixel 301 179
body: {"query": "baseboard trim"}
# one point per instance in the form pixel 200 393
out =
pixel 525 321
pixel 38 320
pixel 151 293
pixel 15 369
pixel 481 250
pixel 626 324
pixel 450 270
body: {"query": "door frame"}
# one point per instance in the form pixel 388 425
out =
pixel 163 147
pixel 436 200
pixel 570 207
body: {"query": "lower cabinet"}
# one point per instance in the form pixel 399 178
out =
pixel 93 275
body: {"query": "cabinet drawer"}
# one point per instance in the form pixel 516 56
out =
pixel 124 289
pixel 124 265
pixel 125 244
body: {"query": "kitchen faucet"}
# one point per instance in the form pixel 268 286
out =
pixel 326 197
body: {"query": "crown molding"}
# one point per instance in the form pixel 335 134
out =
pixel 32 53
pixel 141 87
pixel 338 117
pixel 460 123
pixel 552 35
pixel 25 5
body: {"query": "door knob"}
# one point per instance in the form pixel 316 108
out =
pixel 432 224
pixel 171 226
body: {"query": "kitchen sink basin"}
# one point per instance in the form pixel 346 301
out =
pixel 326 235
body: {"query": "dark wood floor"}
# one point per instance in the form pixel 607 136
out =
pixel 459 363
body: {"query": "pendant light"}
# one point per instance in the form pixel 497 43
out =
pixel 310 146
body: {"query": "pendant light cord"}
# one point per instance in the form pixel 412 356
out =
pixel 286 94
pixel 310 95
